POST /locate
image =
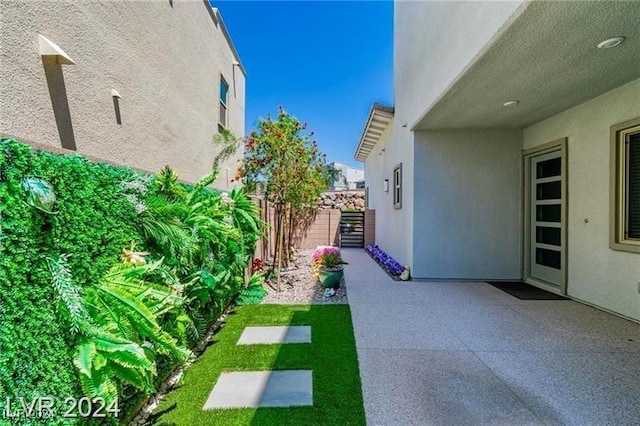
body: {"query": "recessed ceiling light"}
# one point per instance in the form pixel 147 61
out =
pixel 510 104
pixel 611 42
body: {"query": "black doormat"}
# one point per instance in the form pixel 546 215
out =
pixel 525 291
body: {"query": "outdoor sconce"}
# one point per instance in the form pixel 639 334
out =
pixel 116 105
pixel 49 49
pixel 386 185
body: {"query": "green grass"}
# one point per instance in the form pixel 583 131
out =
pixel 337 395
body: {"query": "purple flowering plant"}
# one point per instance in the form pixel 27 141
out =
pixel 393 267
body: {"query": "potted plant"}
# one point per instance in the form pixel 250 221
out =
pixel 327 266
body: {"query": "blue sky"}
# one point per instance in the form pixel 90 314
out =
pixel 325 62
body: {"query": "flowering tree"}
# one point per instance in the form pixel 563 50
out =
pixel 283 158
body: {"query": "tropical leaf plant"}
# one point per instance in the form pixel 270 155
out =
pixel 168 186
pixel 40 194
pixel 117 320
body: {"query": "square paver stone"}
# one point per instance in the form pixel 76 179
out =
pixel 275 335
pixel 252 389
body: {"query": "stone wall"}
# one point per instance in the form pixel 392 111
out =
pixel 342 200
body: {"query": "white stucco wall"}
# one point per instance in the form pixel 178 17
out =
pixel 467 205
pixel 433 43
pixel 164 58
pixel 596 273
pixel 394 232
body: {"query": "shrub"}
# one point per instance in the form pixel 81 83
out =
pixel 108 275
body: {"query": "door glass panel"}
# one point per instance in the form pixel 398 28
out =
pixel 548 213
pixel 548 235
pixel 549 191
pixel 550 258
pixel 549 168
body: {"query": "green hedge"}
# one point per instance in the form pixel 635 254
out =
pixel 95 218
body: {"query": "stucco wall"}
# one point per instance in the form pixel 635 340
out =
pixel 467 204
pixel 433 43
pixel 596 273
pixel 394 232
pixel 430 51
pixel 164 58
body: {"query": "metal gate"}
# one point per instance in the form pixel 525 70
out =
pixel 352 229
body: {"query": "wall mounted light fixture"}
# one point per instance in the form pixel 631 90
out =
pixel 53 57
pixel 116 105
pixel 385 186
pixel 51 50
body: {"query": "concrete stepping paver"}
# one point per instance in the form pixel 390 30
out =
pixel 252 389
pixel 275 335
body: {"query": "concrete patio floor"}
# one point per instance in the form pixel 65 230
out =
pixel 466 353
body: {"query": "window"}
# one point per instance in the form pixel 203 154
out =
pixel 625 186
pixel 366 198
pixel 397 186
pixel 224 91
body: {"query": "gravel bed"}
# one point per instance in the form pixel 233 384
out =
pixel 299 287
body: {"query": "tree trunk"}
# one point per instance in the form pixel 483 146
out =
pixel 290 233
pixel 280 239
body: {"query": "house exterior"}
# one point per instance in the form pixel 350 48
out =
pixel 348 179
pixel 138 83
pixel 512 150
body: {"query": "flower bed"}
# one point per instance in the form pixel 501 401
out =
pixel 391 266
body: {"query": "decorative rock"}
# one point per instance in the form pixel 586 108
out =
pixel 342 199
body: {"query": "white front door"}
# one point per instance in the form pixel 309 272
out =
pixel 546 219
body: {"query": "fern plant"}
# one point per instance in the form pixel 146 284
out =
pixel 117 320
pixel 70 302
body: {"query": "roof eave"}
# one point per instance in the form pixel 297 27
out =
pixel 370 138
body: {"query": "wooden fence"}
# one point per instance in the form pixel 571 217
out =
pixel 317 228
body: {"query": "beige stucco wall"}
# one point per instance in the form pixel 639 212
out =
pixel 164 58
pixel 596 273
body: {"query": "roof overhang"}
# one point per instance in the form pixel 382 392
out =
pixel 380 117
pixel 548 60
pixel 217 20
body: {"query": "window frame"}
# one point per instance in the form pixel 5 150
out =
pixel 619 178
pixel 397 186
pixel 223 103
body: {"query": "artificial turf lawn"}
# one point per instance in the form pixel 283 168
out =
pixel 337 395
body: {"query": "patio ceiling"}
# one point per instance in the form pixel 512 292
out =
pixel 547 60
pixel 380 118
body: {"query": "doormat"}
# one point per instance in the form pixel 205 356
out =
pixel 525 291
